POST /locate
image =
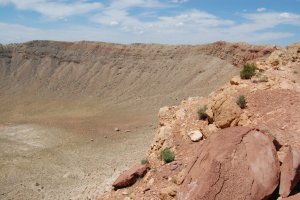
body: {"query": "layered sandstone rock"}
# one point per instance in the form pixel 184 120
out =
pixel 236 163
pixel 290 174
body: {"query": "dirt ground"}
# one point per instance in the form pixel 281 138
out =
pixel 45 163
pixel 68 151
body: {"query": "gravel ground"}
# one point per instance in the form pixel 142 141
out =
pixel 39 162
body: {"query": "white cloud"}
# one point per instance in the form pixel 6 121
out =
pixel 261 9
pixel 54 9
pixel 116 23
pixel 125 4
pixel 273 19
pixel 193 18
pixel 178 1
pixel 18 33
pixel 163 31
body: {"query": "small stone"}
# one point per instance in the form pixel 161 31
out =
pixel 173 167
pixel 195 135
pixel 117 129
pixel 211 128
pixel 124 193
pixel 146 189
pixel 167 193
pixel 151 181
pixel 66 175
pixel 92 140
pixel 235 81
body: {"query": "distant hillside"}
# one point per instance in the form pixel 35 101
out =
pixel 117 72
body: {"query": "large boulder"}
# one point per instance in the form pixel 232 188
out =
pixel 227 114
pixel 290 174
pixel 235 163
pixel 224 111
pixel 130 176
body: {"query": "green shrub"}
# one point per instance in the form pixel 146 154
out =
pixel 167 155
pixel 144 161
pixel 202 113
pixel 248 71
pixel 241 101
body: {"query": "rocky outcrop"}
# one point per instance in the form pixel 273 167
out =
pixel 176 125
pixel 283 56
pixel 236 163
pixel 238 157
pixel 238 53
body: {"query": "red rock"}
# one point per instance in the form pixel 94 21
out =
pixel 290 175
pixel 224 111
pixel 234 163
pixel 294 197
pixel 130 176
pixel 167 193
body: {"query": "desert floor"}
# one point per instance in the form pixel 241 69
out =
pixel 55 149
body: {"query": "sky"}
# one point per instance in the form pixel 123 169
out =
pixel 151 21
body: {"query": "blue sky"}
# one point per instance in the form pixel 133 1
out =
pixel 151 21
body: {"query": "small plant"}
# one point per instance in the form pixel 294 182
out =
pixel 144 161
pixel 202 113
pixel 167 155
pixel 248 71
pixel 241 101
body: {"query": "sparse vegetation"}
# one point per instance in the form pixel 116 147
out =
pixel 241 101
pixel 202 113
pixel 248 71
pixel 261 77
pixel 167 155
pixel 144 161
